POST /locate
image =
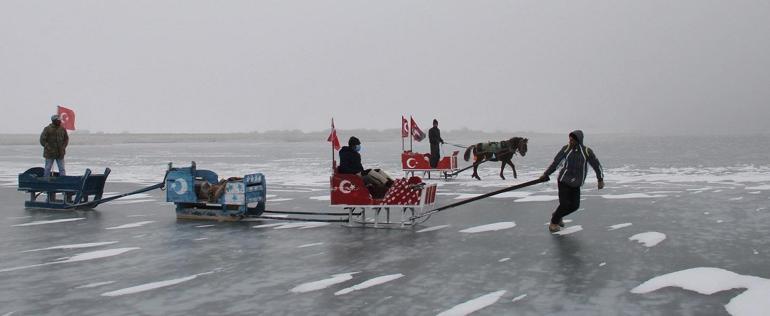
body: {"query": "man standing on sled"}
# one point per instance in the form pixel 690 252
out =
pixel 576 158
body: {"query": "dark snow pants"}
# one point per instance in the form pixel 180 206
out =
pixel 569 201
pixel 435 155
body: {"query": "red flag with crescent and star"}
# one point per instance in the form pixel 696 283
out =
pixel 404 127
pixel 333 138
pixel 67 117
pixel 417 133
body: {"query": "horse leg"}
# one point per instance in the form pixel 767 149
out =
pixel 510 162
pixel 475 173
pixel 502 168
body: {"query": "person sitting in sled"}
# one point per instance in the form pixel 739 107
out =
pixel 377 181
pixel 350 159
pixel 576 158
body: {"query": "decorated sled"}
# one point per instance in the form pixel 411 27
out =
pixel 62 192
pixel 200 194
pixel 349 193
pixel 412 162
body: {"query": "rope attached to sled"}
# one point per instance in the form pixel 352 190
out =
pixel 483 196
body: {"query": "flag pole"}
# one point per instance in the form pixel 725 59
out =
pixel 402 134
pixel 332 143
pixel 410 133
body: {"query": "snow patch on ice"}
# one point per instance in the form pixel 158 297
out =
pixel 430 229
pixel 199 239
pixel 473 305
pixel 619 226
pixel 64 220
pixel 755 251
pixel 269 225
pixel 369 283
pixel 279 200
pixel 519 298
pixel 301 225
pixel 131 225
pixel 759 187
pixel 310 245
pixel 648 239
pixel 204 226
pixel 569 230
pixel 321 198
pixel 538 198
pixel 92 285
pixel 75 246
pixel 322 284
pixel 602 264
pixel 707 281
pixel 503 259
pixel 151 286
pixel 79 257
pixel 489 227
pixel 632 196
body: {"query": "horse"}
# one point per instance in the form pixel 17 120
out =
pixel 502 151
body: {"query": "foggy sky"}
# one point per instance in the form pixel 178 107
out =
pixel 237 66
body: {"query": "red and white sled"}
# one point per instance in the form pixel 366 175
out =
pixel 412 162
pixel 348 192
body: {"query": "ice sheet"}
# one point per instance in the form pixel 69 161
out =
pixel 430 229
pixel 489 227
pixel 370 283
pixel 569 230
pixel 55 221
pixel 79 257
pixel 322 284
pixel 473 305
pixel 131 225
pixel 74 246
pixel 632 196
pixel 618 226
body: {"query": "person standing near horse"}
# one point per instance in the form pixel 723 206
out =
pixel 434 136
pixel 576 158
pixel 54 140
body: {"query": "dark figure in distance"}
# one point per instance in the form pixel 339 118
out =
pixel 434 136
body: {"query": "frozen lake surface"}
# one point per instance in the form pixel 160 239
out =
pixel 673 216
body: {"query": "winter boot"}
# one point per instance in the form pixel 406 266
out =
pixel 554 228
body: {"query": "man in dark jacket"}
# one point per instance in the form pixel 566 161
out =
pixel 350 159
pixel 54 140
pixel 434 136
pixel 576 158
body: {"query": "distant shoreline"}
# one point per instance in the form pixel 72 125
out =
pixel 297 136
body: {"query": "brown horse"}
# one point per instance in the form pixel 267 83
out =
pixel 502 151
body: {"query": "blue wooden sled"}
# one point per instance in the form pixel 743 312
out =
pixel 240 197
pixel 62 192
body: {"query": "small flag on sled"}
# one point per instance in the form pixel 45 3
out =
pixel 333 138
pixel 417 133
pixel 67 117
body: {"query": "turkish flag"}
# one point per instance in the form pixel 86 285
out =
pixel 404 127
pixel 417 133
pixel 67 117
pixel 333 138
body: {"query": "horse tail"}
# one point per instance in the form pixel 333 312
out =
pixel 467 155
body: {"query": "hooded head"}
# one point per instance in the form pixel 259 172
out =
pixel 577 135
pixel 353 141
pixel 55 120
pixel 435 122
